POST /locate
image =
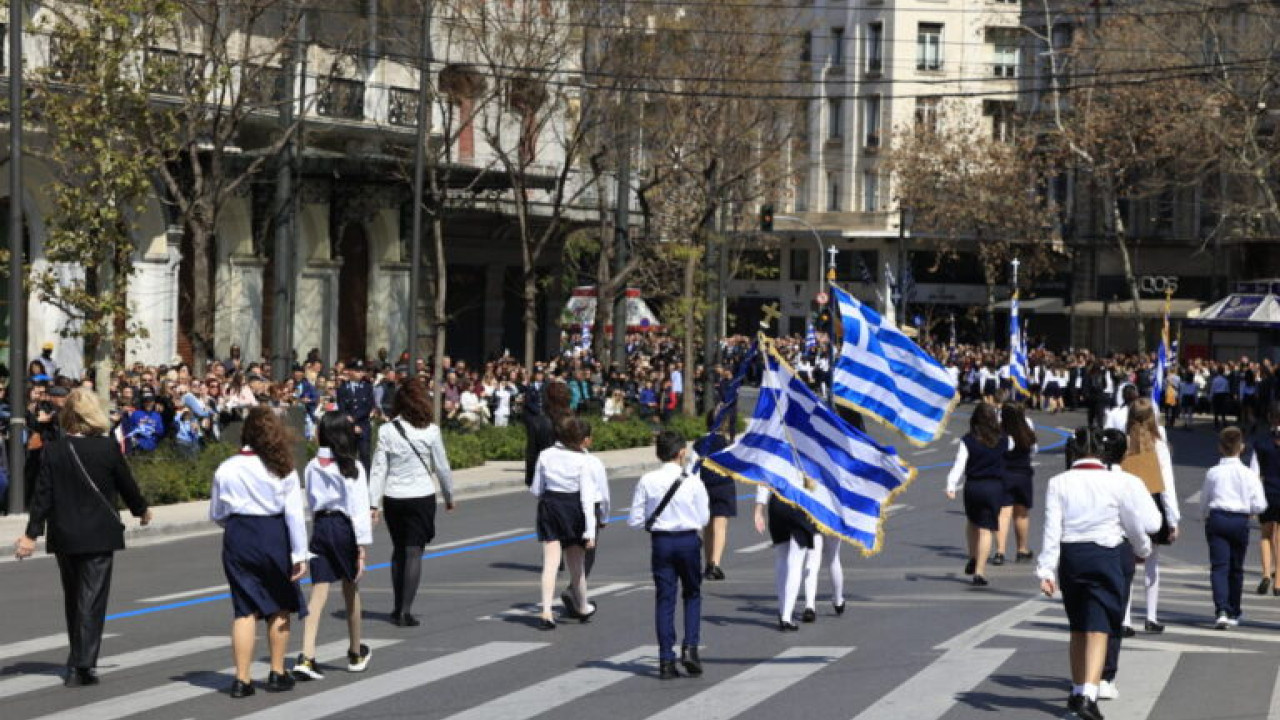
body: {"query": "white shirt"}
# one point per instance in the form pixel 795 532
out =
pixel 1232 487
pixel 328 490
pixel 1089 503
pixel 397 472
pixel 689 509
pixel 242 485
pixel 955 478
pixel 1118 419
pixel 677 381
pixel 563 470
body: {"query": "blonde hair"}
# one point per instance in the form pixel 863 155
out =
pixel 1142 429
pixel 83 414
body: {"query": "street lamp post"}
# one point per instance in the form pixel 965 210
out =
pixel 829 277
pixel 17 296
pixel 822 250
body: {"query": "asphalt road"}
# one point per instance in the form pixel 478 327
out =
pixel 917 642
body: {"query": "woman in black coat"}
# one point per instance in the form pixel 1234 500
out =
pixel 81 476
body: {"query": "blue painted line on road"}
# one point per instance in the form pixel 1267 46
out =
pixel 464 549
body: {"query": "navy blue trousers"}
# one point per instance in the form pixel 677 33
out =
pixel 676 560
pixel 1228 536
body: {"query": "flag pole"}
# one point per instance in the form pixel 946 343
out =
pixel 831 325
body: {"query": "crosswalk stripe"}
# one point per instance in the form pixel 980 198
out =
pixel 212 589
pixel 1139 690
pixel 1177 631
pixel 728 698
pixel 1273 712
pixel 1129 644
pixel 531 609
pixel 357 694
pixel 932 692
pixel 195 686
pixel 560 690
pixel 123 661
pixel 33 646
pixel 755 548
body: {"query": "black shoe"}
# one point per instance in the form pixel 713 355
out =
pixel 304 668
pixel 407 620
pixel 809 615
pixel 997 559
pixel 545 624
pixel 690 660
pixel 971 567
pixel 242 689
pixel 839 608
pixel 1154 627
pixel 80 677
pixel 279 682
pixel 667 670
pixel 1074 704
pixel 359 661
pixel 1128 632
pixel 1089 710
pixel 979 581
pixel 1265 586
pixel 570 607
pixel 717 572
pixel 708 574
pixel 586 616
pixel 1027 556
pixel 1275 590
pixel 787 625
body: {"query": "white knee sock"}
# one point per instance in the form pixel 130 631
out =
pixel 812 566
pixel 1153 585
pixel 790 569
pixel 831 560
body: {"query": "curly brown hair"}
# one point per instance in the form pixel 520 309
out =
pixel 267 436
pixel 559 400
pixel 413 403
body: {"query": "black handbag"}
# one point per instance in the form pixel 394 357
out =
pixel 1161 536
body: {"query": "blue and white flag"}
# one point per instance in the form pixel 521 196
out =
pixel 885 375
pixel 1017 352
pixel 1162 360
pixel 810 339
pixel 811 459
pixel 586 337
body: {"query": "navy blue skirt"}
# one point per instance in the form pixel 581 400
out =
pixel 723 499
pixel 1272 513
pixel 786 523
pixel 982 502
pixel 560 518
pixel 255 558
pixel 333 542
pixel 1094 586
pixel 1019 490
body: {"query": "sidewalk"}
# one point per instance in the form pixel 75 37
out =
pixel 489 479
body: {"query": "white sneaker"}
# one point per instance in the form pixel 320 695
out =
pixel 1107 690
pixel 1222 623
pixel 1233 622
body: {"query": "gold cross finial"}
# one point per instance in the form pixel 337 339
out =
pixel 771 313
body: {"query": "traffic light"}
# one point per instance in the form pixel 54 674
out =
pixel 766 218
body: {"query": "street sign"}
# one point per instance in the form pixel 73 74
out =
pixel 821 298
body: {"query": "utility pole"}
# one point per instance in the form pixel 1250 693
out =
pixel 283 247
pixel 714 232
pixel 902 266
pixel 419 161
pixel 17 296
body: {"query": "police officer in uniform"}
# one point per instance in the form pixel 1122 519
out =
pixel 355 400
pixel 672 505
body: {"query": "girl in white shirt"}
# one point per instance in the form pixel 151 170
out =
pixel 257 499
pixel 566 481
pixel 1148 458
pixel 338 492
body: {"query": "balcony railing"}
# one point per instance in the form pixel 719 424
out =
pixel 1004 70
pixel 172 73
pixel 402 109
pixel 341 98
pixel 265 85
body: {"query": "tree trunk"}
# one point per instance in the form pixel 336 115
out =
pixel 530 317
pixel 688 404
pixel 202 329
pixel 439 317
pixel 1122 244
pixel 600 336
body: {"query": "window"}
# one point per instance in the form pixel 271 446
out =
pixel 871 120
pixel 837 46
pixel 799 264
pixel 341 98
pixel 857 266
pixel 927 113
pixel 835 127
pixel 1164 211
pixel 870 191
pixel 875 47
pixel 1005 63
pixel 929 46
pixel 1002 119
pixel 806 47
pixel 833 192
pixel 403 107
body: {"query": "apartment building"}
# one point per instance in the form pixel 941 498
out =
pixel 874 69
pixel 358 94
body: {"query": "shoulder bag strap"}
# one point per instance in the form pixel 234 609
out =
pixel 430 467
pixel 89 481
pixel 666 500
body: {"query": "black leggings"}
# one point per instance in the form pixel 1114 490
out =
pixel 86 582
pixel 406 574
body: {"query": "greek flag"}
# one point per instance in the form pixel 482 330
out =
pixel 881 373
pixel 585 344
pixel 1162 362
pixel 1017 351
pixel 811 459
pixel 810 339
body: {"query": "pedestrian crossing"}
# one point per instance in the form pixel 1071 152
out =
pixel 956 679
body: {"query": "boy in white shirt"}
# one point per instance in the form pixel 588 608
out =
pixel 1232 492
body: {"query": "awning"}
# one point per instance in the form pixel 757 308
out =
pixel 1036 305
pixel 1241 310
pixel 1124 308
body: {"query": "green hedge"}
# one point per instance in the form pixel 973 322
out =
pixel 166 476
